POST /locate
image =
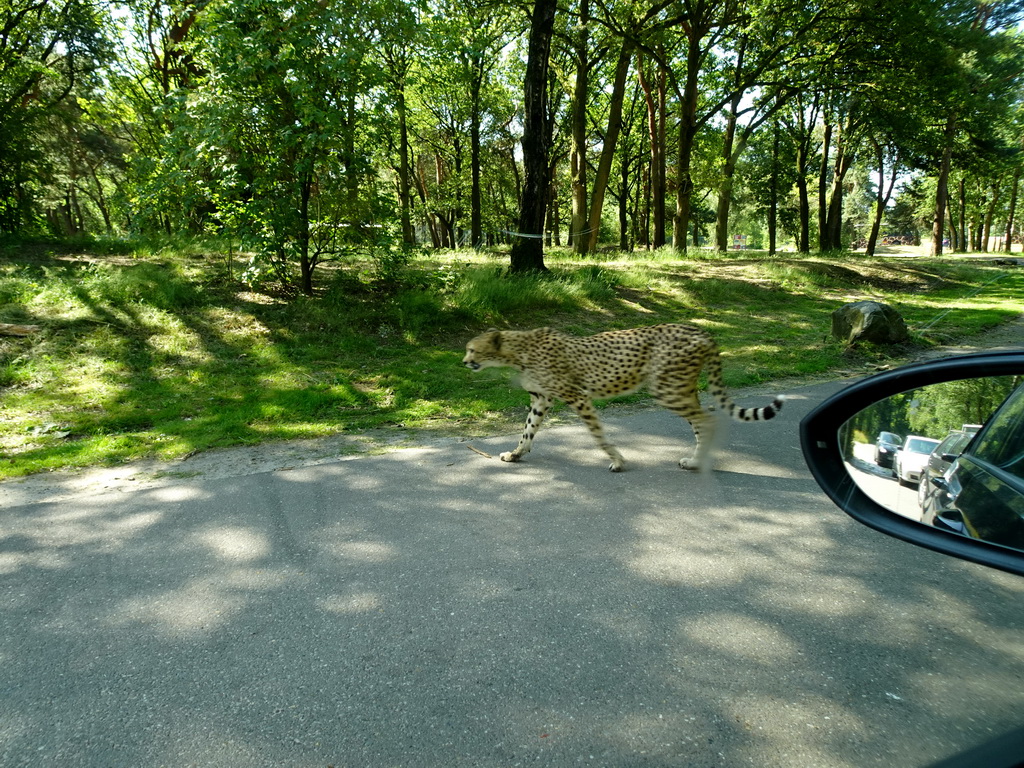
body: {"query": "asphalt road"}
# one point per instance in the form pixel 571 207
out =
pixel 880 483
pixel 433 607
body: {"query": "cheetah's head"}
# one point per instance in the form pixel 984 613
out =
pixel 483 350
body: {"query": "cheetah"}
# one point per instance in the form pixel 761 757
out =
pixel 666 359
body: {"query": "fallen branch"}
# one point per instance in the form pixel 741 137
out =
pixel 477 450
pixel 9 329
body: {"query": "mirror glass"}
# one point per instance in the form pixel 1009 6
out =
pixel 949 455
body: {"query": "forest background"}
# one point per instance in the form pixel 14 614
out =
pixel 295 207
pixel 306 130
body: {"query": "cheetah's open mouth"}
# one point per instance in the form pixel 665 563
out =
pixel 473 366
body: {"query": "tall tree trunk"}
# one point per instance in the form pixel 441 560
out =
pixel 955 234
pixel 475 203
pixel 726 180
pixel 100 199
pixel 660 193
pixel 942 186
pixel 883 194
pixel 730 154
pixel 826 147
pixel 624 205
pixel 803 203
pixel 834 219
pixel 643 208
pixel 773 192
pixel 647 197
pixel 553 229
pixel 962 246
pixel 305 263
pixel 687 137
pixel 404 179
pixel 799 126
pixel 1008 244
pixel 656 131
pixel 990 215
pixel 348 154
pixel 578 159
pixel 876 221
pixel 443 228
pixel 611 138
pixel 528 248
pixel 457 212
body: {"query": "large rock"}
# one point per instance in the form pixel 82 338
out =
pixel 869 321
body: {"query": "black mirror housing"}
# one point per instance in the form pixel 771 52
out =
pixel 819 439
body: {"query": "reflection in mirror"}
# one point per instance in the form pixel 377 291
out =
pixel 950 455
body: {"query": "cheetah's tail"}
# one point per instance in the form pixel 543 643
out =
pixel 754 414
pixel 717 390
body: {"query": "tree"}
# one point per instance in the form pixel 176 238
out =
pixel 798 123
pixel 980 76
pixel 50 52
pixel 477 56
pixel 727 50
pixel 609 142
pixel 397 28
pixel 528 247
pixel 461 106
pixel 271 122
pixel 579 98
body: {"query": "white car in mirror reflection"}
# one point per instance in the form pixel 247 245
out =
pixel 912 457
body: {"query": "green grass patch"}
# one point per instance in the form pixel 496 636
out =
pixel 155 351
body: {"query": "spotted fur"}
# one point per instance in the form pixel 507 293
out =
pixel 666 359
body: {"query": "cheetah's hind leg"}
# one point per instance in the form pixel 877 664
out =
pixel 587 412
pixel 709 431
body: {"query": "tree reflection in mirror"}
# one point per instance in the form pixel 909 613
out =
pixel 960 466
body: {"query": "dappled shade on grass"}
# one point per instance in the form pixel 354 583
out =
pixel 153 358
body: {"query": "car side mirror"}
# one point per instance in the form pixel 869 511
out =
pixel 951 521
pixel 980 516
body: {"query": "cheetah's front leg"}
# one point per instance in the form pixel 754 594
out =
pixel 539 405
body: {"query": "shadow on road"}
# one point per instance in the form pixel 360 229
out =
pixel 435 607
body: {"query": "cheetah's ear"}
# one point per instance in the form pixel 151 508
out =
pixel 495 338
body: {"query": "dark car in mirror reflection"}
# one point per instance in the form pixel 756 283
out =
pixel 886 446
pixel 945 453
pixel 981 494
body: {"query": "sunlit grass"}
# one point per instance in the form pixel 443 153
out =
pixel 157 353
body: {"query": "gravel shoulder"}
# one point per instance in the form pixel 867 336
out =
pixel 295 454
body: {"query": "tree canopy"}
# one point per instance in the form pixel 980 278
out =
pixel 304 129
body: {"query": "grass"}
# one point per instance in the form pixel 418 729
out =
pixel 156 352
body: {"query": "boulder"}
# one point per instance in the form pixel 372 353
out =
pixel 869 321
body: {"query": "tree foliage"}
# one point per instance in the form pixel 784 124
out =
pixel 305 129
pixel 51 54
